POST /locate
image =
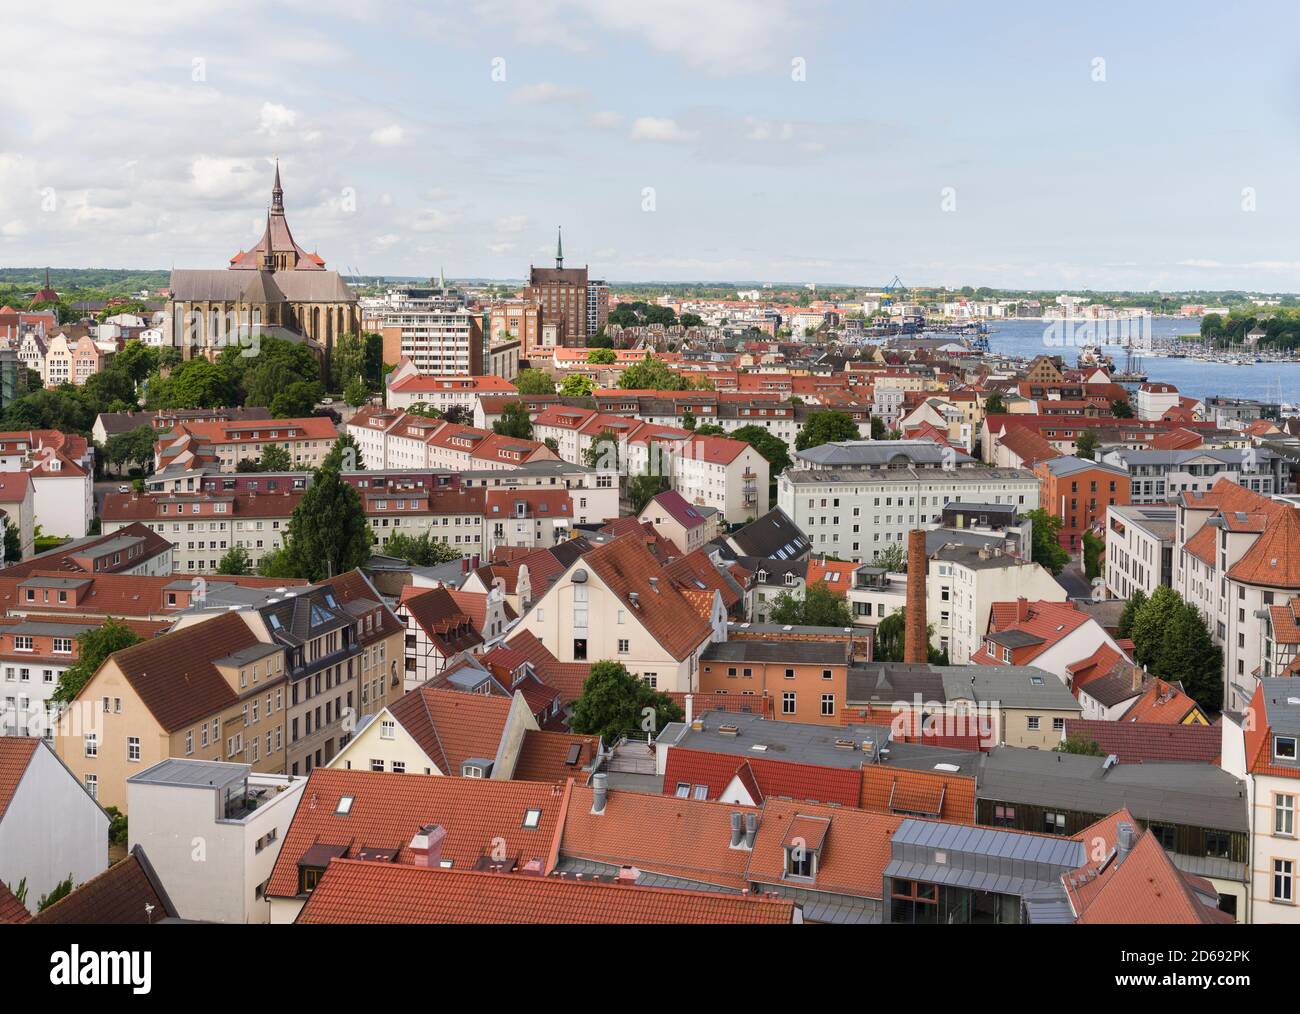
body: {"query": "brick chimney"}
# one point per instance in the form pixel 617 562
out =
pixel 915 641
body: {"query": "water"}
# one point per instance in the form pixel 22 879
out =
pixel 1279 382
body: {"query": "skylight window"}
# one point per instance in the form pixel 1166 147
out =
pixel 532 818
pixel 345 806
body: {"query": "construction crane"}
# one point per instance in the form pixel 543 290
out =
pixel 890 291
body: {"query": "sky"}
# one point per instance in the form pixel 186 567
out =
pixel 1143 146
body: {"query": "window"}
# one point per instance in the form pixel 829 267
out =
pixel 133 749
pixel 788 703
pixel 399 767
pixel 1004 816
pixel 683 790
pixel 1058 724
pixel 532 818
pixel 92 786
pixel 92 744
pixel 828 704
pixel 376 764
pixel 623 646
pixel 1032 722
pixel 1284 815
pixel 1284 747
pixel 1165 834
pixel 387 730
pixel 1283 877
pixel 1054 823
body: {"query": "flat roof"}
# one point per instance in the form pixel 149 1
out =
pixel 192 774
pixel 797 742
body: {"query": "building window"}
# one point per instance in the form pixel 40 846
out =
pixel 1284 747
pixel 1284 815
pixel 788 703
pixel 623 646
pixel 1283 877
pixel 1054 823
pixel 92 744
pixel 387 730
pixel 1058 724
pixel 399 767
pixel 376 765
pixel 133 749
pixel 1032 721
pixel 828 704
pixel 92 786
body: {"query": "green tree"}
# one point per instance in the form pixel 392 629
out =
pixel 641 489
pixel 135 445
pixel 878 431
pixel 93 646
pixel 577 385
pixel 420 550
pixel 196 383
pixel 891 640
pixel 774 450
pixel 60 890
pixel 278 563
pixel 13 544
pixel 1149 625
pixel 297 400
pixel 356 393
pixel 892 558
pixel 1080 744
pixel 1135 602
pixel 328 533
pixel 117 826
pixel 348 360
pixel 602 452
pixel 819 607
pixel 688 420
pixel 602 357
pixel 514 421
pixel 994 405
pixel 275 459
pixel 826 427
pixel 1046 547
pixel 531 381
pixel 345 455
pixel 651 375
pixel 614 704
pixel 374 359
pixel 1093 547
pixel 236 562
pixel 1121 409
pixel 710 430
pixel 1189 655
pixel 1086 445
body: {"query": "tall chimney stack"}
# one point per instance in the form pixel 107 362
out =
pixel 915 642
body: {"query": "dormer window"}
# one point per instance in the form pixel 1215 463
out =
pixel 1284 747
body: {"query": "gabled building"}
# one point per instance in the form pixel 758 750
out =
pixel 436 631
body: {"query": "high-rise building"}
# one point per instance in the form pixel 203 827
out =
pixel 562 295
pixel 597 305
pixel 432 327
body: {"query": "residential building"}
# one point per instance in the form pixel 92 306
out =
pixel 562 295
pixel 50 824
pixel 1139 549
pixel 240 817
pixel 794 681
pixel 227 443
pixel 1079 491
pixel 1158 476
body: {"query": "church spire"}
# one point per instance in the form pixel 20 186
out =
pixel 277 192
pixel 559 248
pixel 268 255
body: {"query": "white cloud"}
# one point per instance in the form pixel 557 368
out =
pixel 275 118
pixel 512 223
pixel 431 220
pixel 389 136
pixel 656 128
pixel 225 177
pixel 543 92
pixel 14 229
pixel 500 248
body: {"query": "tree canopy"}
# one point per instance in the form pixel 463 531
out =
pixel 826 427
pixel 93 646
pixel 614 703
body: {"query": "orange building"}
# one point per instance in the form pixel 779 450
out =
pixel 1078 492
pixel 806 681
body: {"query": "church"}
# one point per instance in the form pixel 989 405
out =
pixel 275 288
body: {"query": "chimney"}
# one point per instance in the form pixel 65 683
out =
pixel 916 642
pixel 1137 678
pixel 426 846
pixel 737 829
pixel 751 830
pixel 1125 839
pixel 599 792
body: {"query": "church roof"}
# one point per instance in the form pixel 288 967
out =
pixel 239 286
pixel 276 238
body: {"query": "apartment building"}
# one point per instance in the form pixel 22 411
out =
pixel 433 330
pixel 1079 492
pixel 391 439
pixel 1234 559
pixel 1158 476
pixel 617 602
pixel 129 716
pixel 521 321
pixel 791 680
pixel 226 443
pixel 435 631
pixel 203 527
pixel 1260 747
pixel 855 512
pixel 50 826
pixel 405 387
pixel 1139 549
pixel 240 816
pixel 1056 637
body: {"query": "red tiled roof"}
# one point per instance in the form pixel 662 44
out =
pixel 1274 557
pixel 1163 704
pixel 440 618
pixel 544 756
pixel 388 809
pixel 353 892
pixel 450 726
pixel 1138 742
pixel 117 897
pixel 15 754
pixel 902 791
pixel 12 911
pixel 626 566
pixel 659 834
pixel 765 776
